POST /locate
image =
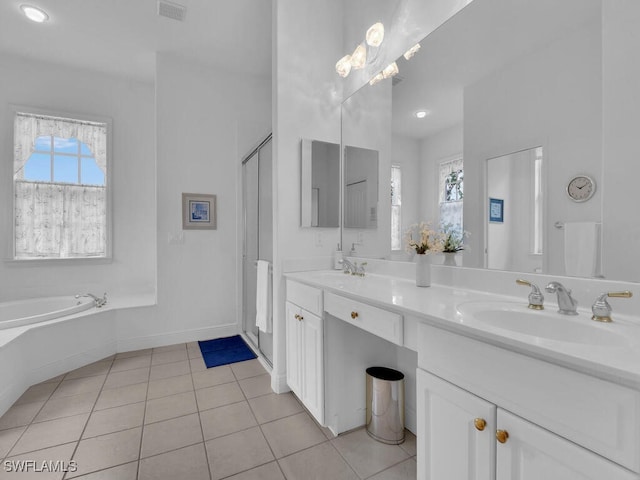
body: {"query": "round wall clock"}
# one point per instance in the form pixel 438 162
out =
pixel 581 188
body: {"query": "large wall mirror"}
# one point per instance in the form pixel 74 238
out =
pixel 502 84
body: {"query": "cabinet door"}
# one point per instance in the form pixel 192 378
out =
pixel 453 443
pixel 312 376
pixel 292 313
pixel 531 452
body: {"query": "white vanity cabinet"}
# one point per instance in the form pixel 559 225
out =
pixel 533 452
pixel 456 431
pixel 304 344
pixel 489 413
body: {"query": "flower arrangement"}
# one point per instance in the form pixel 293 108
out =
pixel 453 239
pixel 428 240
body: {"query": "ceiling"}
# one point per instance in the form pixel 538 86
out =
pixel 121 37
pixel 484 36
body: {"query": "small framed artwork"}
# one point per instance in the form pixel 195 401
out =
pixel 496 210
pixel 198 211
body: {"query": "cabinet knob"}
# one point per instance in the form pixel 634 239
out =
pixel 298 317
pixel 354 315
pixel 502 436
pixel 480 423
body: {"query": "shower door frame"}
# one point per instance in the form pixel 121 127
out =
pixel 253 337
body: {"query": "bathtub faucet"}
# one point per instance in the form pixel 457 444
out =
pixel 98 301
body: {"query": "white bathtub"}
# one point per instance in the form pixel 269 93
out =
pixel 35 310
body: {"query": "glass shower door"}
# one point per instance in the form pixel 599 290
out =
pixel 258 236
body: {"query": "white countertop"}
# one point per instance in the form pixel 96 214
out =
pixel 437 305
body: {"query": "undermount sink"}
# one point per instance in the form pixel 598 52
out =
pixel 543 324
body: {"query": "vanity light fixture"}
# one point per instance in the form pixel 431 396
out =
pixel 422 113
pixel 343 67
pixel 377 79
pixel 390 70
pixel 359 57
pixel 411 52
pixel 375 35
pixel 34 14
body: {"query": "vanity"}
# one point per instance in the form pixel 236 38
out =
pixel 494 389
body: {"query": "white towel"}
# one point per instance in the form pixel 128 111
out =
pixel 263 298
pixel 581 249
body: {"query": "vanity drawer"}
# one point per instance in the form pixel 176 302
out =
pixel 304 296
pixel 383 323
pixel 599 415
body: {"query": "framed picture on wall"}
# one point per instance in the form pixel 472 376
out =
pixel 496 210
pixel 198 211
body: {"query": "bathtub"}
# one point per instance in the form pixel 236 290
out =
pixel 25 312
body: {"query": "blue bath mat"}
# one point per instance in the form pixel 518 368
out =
pixel 223 351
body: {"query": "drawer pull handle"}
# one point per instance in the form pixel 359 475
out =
pixel 502 436
pixel 354 315
pixel 480 423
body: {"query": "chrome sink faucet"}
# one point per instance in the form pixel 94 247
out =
pixel 536 299
pixel 353 268
pixel 601 308
pixel 99 302
pixel 347 266
pixel 567 305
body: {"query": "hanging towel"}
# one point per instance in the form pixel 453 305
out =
pixel 263 297
pixel 581 249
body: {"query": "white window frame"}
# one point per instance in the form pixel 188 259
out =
pixel 108 257
pixel 537 206
pixel 399 208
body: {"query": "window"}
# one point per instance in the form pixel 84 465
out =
pixel 451 188
pixel 396 207
pixel 538 224
pixel 60 187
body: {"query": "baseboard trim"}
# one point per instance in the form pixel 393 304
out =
pixel 183 336
pixel 279 383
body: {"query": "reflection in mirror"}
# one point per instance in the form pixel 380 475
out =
pixel 515 229
pixel 360 187
pixel 501 77
pixel 320 184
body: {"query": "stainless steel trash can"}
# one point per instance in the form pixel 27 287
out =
pixel 385 405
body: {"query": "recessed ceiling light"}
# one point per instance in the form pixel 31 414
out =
pixel 422 113
pixel 34 14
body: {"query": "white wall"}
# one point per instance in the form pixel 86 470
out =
pixel 131 106
pixel 621 148
pixel 202 117
pixel 548 98
pixel 306 105
pixel 405 152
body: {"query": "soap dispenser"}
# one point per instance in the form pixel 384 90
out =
pixel 337 258
pixel 352 253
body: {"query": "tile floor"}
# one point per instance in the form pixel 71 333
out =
pixel 160 414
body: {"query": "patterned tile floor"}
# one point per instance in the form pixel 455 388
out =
pixel 160 414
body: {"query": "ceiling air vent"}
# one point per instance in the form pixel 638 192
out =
pixel 171 10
